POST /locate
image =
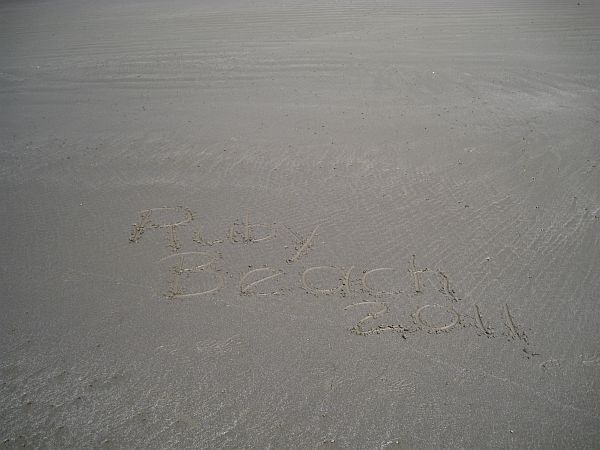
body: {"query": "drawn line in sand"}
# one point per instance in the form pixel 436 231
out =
pixel 369 288
pixel 510 323
pixel 426 324
pixel 248 232
pixel 274 274
pixel 177 291
pixel 264 238
pixel 445 282
pixel 344 282
pixel 199 238
pixel 414 272
pixel 199 268
pixel 231 234
pixel 175 288
pixel 139 228
pixel 146 222
pixel 189 216
pixel 358 328
pixel 305 246
pixel 173 242
pixel 480 323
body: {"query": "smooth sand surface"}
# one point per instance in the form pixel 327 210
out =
pixel 300 224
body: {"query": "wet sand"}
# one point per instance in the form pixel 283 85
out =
pixel 339 224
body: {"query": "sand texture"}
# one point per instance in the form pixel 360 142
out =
pixel 300 224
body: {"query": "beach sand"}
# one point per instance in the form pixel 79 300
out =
pixel 300 224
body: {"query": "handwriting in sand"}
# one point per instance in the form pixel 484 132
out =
pixel 271 281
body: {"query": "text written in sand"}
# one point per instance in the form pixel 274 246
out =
pixel 194 273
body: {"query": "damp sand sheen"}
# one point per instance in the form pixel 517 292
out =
pixel 339 224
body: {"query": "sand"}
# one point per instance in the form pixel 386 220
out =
pixel 278 224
